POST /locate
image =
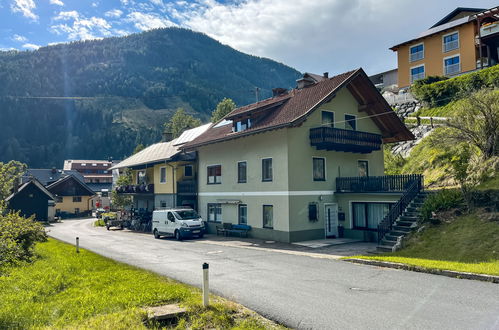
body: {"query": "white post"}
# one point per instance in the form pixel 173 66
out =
pixel 206 286
pixel 77 245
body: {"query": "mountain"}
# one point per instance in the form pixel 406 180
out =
pixel 98 99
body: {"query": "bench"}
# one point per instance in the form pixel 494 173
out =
pixel 229 228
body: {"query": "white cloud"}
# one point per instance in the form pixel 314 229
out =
pixel 95 4
pixel 67 15
pixel 147 21
pixel 31 46
pixel 19 38
pixel 26 7
pixel 115 13
pixel 57 2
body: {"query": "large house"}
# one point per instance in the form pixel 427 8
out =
pixel 72 196
pixel 304 164
pixel 464 40
pixel 163 176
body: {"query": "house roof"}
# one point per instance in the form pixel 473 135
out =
pixel 56 185
pixel 444 24
pixel 162 151
pixel 34 182
pixel 293 108
pixel 47 176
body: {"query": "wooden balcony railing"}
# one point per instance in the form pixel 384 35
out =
pixel 386 183
pixel 187 187
pixel 337 139
pixel 136 189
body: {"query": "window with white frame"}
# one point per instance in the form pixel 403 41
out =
pixel 214 174
pixel 267 174
pixel 451 41
pixel 416 53
pixel 351 122
pixel 162 175
pixel 268 216
pixel 243 214
pixel 214 212
pixel 328 118
pixel 367 216
pixel 452 65
pixel 417 73
pixel 242 167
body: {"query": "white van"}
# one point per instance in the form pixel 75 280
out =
pixel 178 222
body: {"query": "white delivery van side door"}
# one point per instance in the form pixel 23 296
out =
pixel 171 223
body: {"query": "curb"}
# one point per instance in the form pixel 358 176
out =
pixel 448 273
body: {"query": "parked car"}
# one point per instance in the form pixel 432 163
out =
pixel 178 222
pixel 98 213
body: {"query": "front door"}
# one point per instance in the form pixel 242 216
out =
pixel 331 219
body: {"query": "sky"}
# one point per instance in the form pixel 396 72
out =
pixel 309 35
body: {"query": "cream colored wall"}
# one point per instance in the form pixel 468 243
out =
pixel 67 204
pixel 434 54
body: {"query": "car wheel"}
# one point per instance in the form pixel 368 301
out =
pixel 107 227
pixel 178 237
pixel 156 234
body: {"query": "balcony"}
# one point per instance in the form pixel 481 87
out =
pixel 337 139
pixel 417 56
pixel 489 29
pixel 377 184
pixel 141 189
pixel 187 187
pixel 451 45
pixel 452 69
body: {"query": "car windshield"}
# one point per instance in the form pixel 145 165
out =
pixel 187 215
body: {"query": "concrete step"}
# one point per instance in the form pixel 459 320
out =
pixel 416 204
pixel 402 229
pixel 407 218
pixel 404 223
pixel 411 214
pixel 412 209
pixel 394 235
pixel 384 248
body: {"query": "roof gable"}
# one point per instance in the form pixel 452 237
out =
pixel 457 13
pixel 70 186
pixel 36 184
pixel 293 108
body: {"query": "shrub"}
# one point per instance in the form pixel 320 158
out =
pixel 17 238
pixel 441 201
pixel 437 92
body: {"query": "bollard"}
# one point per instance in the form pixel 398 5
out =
pixel 77 245
pixel 206 286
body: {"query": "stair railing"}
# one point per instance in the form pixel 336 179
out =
pixel 386 225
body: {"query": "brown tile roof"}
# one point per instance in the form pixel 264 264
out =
pixel 280 111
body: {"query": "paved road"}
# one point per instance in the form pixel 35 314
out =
pixel 301 291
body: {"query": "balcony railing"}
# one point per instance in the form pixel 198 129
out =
pixel 489 29
pixel 417 76
pixel 337 139
pixel 386 183
pixel 417 56
pixel 451 45
pixel 187 187
pixel 136 189
pixel 452 69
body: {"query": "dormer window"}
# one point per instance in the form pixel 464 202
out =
pixel 242 125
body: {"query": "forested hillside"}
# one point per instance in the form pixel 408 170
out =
pixel 95 99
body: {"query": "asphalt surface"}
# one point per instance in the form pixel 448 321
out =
pixel 300 291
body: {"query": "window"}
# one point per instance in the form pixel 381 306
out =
pixel 268 216
pixel 94 164
pixel 312 212
pixel 328 118
pixel 58 199
pixel 241 172
pixel 170 217
pixel 451 42
pixel 243 214
pixel 452 65
pixel 417 73
pixel 369 215
pixel 162 203
pixel 188 170
pixel 141 177
pixel 242 125
pixel 363 167
pixel 267 169
pixel 214 174
pixel 105 164
pixel 215 212
pixel 319 165
pixel 416 53
pixel 83 164
pixel 162 175
pixel 76 199
pixel 350 122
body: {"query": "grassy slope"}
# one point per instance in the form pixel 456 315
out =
pixel 65 289
pixel 467 244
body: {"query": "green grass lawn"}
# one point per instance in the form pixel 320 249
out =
pixel 64 289
pixel 467 244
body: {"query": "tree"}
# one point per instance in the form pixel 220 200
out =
pixel 121 201
pixel 477 122
pixel 180 122
pixel 223 108
pixel 138 148
pixel 9 173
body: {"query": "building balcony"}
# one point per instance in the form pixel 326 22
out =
pixel 337 139
pixel 187 187
pixel 139 189
pixel 489 29
pixel 377 184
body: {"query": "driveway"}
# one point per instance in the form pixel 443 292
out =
pixel 301 290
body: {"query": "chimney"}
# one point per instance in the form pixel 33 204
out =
pixel 54 170
pixel 167 136
pixel 326 75
pixel 278 91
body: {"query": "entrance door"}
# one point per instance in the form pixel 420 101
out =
pixel 331 219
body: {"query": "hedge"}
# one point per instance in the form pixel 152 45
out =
pixel 436 93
